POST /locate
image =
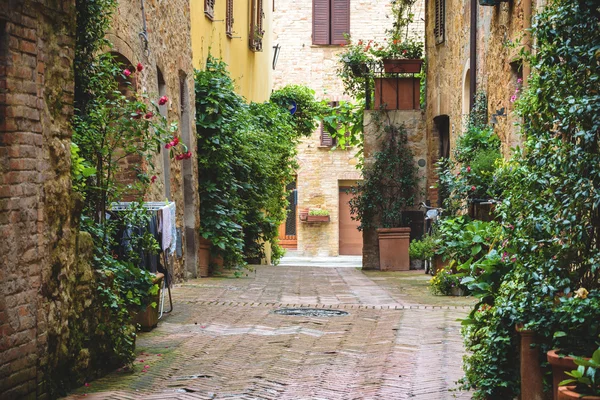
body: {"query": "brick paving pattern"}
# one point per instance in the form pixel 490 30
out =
pixel 224 341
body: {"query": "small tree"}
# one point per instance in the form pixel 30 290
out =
pixel 389 184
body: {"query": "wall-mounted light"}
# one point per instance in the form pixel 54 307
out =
pixel 276 50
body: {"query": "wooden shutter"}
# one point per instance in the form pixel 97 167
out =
pixel 326 139
pixel 321 18
pixel 209 8
pixel 340 21
pixel 440 21
pixel 229 19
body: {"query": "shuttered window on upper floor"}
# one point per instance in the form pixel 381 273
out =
pixel 229 19
pixel 440 21
pixel 331 21
pixel 209 9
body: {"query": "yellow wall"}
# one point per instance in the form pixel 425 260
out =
pixel 252 71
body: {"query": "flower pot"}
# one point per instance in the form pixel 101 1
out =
pixel 416 264
pixel 403 65
pixel 358 69
pixel 438 263
pixel 317 218
pixel 203 257
pixel 532 375
pixel 559 365
pixel 303 214
pixel 457 291
pixel 393 249
pixel 147 319
pixel 398 93
pixel 567 393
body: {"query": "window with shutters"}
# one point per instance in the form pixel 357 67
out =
pixel 209 9
pixel 256 25
pixel 331 21
pixel 440 21
pixel 326 139
pixel 229 19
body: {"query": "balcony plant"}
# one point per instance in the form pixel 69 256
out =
pixel 387 190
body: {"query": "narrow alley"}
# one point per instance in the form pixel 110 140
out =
pixel 225 339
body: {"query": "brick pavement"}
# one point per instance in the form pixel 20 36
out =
pixel 223 341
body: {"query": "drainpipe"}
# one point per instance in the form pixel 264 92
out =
pixel 527 37
pixel 473 55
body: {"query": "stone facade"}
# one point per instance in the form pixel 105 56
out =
pixel 168 50
pixel 323 171
pixel 498 67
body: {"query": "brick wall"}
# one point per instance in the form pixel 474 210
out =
pixel 300 62
pixel 36 238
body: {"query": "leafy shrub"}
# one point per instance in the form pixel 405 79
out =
pixel 318 212
pixel 445 281
pixel 423 249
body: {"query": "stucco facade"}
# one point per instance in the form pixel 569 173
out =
pixel 322 171
pixel 499 38
pixel 251 70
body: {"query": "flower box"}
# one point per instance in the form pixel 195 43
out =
pixel 402 65
pixel 317 218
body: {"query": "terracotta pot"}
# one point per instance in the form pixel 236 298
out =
pixel 559 366
pixel 203 257
pixel 216 264
pixel 398 93
pixel 532 375
pixel 317 218
pixel 393 249
pixel 303 214
pixel 567 393
pixel 148 318
pixel 438 263
pixel 405 66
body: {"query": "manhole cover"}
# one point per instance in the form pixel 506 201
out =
pixel 310 312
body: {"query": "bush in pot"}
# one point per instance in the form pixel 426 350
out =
pixel 586 379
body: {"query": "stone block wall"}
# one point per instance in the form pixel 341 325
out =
pixel 498 61
pixel 414 122
pixel 300 62
pixel 37 241
pixel 169 51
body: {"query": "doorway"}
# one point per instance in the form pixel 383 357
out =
pixel 351 239
pixel 288 231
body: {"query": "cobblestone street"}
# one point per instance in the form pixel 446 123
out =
pixel 223 340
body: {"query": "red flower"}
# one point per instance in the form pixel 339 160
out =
pixel 473 188
pixel 138 114
pixel 163 100
pixel 468 169
pixel 188 155
pixel 126 72
pixel 404 51
pixel 175 141
pixel 140 67
pixel 168 146
pixel 153 179
pixel 149 115
pixel 341 44
pixel 179 157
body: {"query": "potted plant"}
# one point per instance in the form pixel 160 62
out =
pixel 586 379
pixel 388 188
pixel 421 250
pixel 400 56
pixel 318 215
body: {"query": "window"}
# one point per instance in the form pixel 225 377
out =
pixel 209 9
pixel 326 139
pixel 256 25
pixel 229 19
pixel 331 21
pixel 440 21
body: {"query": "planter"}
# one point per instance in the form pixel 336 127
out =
pixel 148 318
pixel 416 264
pixel 317 218
pixel 456 291
pixel 559 365
pixel 404 66
pixel 398 93
pixel 532 375
pixel 438 263
pixel 203 257
pixel 393 249
pixel 358 69
pixel 303 214
pixel 567 393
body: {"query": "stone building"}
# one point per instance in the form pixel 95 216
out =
pixel 310 60
pixel 473 48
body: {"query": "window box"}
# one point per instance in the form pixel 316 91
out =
pixel 402 65
pixel 317 218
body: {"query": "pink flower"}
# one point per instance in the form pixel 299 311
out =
pixel 513 98
pixel 86 384
pixel 473 188
pixel 163 100
pixel 175 141
pixel 126 72
pixel 146 366
pixel 153 179
pixel 468 169
pixel 168 146
pixel 149 115
pixel 519 80
pixel 140 67
pixel 179 157
pixel 188 155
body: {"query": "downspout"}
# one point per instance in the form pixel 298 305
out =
pixel 527 37
pixel 473 55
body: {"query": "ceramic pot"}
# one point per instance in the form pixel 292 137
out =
pixel 559 365
pixel 532 375
pixel 567 393
pixel 403 65
pixel 317 218
pixel 393 249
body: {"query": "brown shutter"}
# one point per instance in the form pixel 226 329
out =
pixel 321 16
pixel 229 18
pixel 440 21
pixel 340 21
pixel 326 139
pixel 209 8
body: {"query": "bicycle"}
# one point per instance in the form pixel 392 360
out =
pixel 431 218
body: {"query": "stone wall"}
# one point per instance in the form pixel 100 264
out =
pixel 498 67
pixel 169 50
pixel 414 122
pixel 37 241
pixel 300 62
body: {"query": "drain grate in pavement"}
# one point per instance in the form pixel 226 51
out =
pixel 310 312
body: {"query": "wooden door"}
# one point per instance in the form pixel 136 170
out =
pixel 351 239
pixel 288 238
